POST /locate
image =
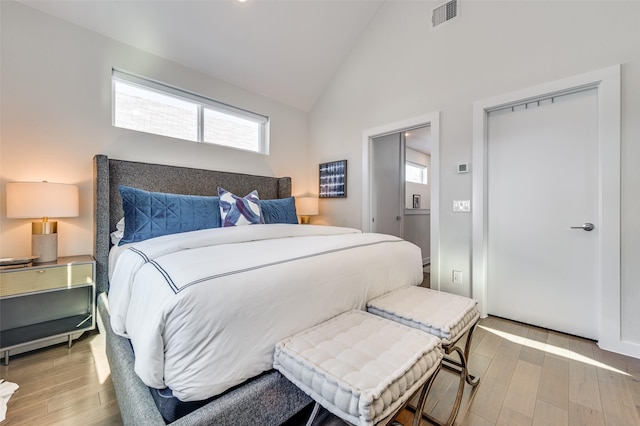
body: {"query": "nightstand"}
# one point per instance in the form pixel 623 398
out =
pixel 43 303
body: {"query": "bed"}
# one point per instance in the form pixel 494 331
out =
pixel 257 394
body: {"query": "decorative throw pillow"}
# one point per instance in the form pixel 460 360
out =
pixel 282 210
pixel 152 214
pixel 117 235
pixel 236 211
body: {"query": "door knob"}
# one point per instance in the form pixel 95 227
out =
pixel 585 227
pixel 398 217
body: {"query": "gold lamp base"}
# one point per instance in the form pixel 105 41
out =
pixel 305 220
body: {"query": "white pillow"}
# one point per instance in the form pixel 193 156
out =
pixel 117 235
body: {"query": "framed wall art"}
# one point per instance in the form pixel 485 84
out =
pixel 333 179
pixel 416 201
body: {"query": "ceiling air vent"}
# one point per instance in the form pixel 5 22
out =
pixel 444 13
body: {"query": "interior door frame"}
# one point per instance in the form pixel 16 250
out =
pixel 432 120
pixel 607 83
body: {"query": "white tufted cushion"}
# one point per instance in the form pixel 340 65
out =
pixel 444 315
pixel 359 366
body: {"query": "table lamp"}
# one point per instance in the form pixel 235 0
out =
pixel 45 200
pixel 305 207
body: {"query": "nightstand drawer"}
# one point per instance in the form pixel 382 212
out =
pixel 46 278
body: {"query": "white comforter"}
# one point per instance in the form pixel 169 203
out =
pixel 204 309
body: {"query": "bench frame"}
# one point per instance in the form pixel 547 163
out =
pixel 461 368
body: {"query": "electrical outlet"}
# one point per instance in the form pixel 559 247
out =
pixel 456 277
pixel 462 205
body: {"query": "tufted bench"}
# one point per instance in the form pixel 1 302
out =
pixel 444 315
pixel 360 367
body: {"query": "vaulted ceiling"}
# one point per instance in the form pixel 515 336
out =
pixel 287 50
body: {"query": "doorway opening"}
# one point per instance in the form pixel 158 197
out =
pixel 400 185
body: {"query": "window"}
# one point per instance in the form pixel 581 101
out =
pixel 151 107
pixel 415 173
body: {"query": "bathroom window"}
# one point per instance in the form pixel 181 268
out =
pixel 148 106
pixel 415 173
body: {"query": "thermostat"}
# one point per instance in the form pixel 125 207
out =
pixel 463 167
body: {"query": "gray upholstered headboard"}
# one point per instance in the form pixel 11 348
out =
pixel 109 174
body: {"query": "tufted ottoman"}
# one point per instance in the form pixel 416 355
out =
pixel 360 367
pixel 444 315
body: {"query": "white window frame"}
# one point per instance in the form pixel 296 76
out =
pixel 202 103
pixel 422 168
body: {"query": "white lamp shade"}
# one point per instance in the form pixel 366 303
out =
pixel 307 206
pixel 41 199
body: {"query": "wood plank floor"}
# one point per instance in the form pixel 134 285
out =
pixel 529 376
pixel 62 386
pixel 532 376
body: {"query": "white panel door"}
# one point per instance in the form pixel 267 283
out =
pixel 388 185
pixel 542 173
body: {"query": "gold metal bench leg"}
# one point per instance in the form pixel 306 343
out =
pixel 314 414
pixel 423 397
pixel 472 380
pixel 463 375
pixel 461 368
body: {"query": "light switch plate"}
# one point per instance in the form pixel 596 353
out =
pixel 462 205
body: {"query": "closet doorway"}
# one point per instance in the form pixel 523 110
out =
pixel 400 184
pixel 400 191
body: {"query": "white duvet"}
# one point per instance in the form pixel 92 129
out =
pixel 204 309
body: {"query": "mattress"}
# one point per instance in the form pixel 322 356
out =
pixel 204 309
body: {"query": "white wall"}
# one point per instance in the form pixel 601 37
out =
pixel 401 68
pixel 56 115
pixel 416 229
pixel 417 223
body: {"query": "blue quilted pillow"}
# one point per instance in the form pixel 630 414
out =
pixel 152 214
pixel 236 211
pixel 282 210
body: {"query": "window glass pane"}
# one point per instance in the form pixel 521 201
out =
pixel 152 112
pixel 154 107
pixel 229 130
pixel 414 173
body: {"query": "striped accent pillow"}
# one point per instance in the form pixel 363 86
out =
pixel 236 211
